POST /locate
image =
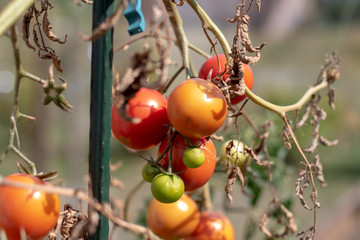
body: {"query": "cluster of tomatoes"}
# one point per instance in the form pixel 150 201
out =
pixel 195 109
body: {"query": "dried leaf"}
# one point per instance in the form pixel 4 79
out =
pixel 327 142
pixel 57 63
pixel 319 171
pixel 302 182
pixel 230 181
pixel 47 30
pixel 263 225
pixel 245 36
pixel 290 218
pixel 26 26
pixel 105 26
pixel 258 5
pixel 331 94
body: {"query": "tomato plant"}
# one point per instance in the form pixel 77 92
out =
pixel 213 226
pixel 196 108
pixel 174 220
pixel 148 109
pixel 212 62
pixel 167 188
pixel 193 177
pixel 237 153
pixel 23 208
pixel 193 157
pixel 149 172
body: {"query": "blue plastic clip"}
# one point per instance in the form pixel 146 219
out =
pixel 135 17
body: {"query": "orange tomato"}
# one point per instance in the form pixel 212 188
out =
pixel 34 211
pixel 213 226
pixel 196 108
pixel 173 220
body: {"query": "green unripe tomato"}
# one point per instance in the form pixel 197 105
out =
pixel 167 188
pixel 149 172
pixel 237 153
pixel 193 157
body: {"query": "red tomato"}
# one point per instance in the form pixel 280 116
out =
pixel 173 220
pixel 149 107
pixel 213 226
pixel 193 178
pixel 212 62
pixel 196 108
pixel 22 208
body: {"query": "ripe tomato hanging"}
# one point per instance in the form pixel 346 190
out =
pixel 148 107
pixel 213 63
pixel 193 178
pixel 196 108
pixel 23 208
pixel 213 226
pixel 173 220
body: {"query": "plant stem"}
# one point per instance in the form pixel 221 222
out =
pixel 12 12
pixel 176 22
pixel 208 24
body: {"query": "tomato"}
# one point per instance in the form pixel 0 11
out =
pixel 193 178
pixel 149 108
pixel 149 172
pixel 167 188
pixel 196 108
pixel 173 220
pixel 23 208
pixel 213 226
pixel 193 157
pixel 212 62
pixel 237 153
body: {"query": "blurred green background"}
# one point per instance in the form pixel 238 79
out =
pixel 299 33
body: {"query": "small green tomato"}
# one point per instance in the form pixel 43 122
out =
pixel 237 153
pixel 167 188
pixel 149 172
pixel 193 157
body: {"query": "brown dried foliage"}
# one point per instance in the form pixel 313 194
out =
pixel 38 32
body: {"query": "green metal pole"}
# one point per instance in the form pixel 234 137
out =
pixel 100 113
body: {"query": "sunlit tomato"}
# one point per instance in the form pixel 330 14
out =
pixel 213 226
pixel 193 157
pixel 148 107
pixel 173 220
pixel 193 178
pixel 167 188
pixel 213 62
pixel 23 208
pixel 196 108
pixel 237 153
pixel 149 172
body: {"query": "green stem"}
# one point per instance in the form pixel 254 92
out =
pixel 176 22
pixel 208 24
pixel 12 12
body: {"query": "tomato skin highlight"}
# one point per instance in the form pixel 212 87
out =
pixel 196 108
pixel 193 178
pixel 173 220
pixel 212 62
pixel 149 107
pixel 34 211
pixel 213 226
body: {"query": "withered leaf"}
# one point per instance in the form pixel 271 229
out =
pixel 47 30
pixel 319 171
pixel 26 26
pixel 302 182
pixel 230 181
pixel 263 225
pixel 57 63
